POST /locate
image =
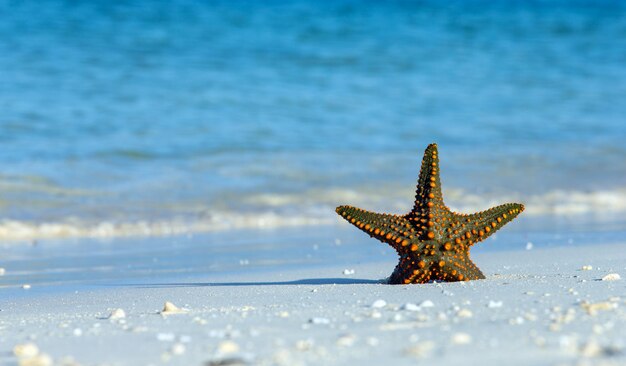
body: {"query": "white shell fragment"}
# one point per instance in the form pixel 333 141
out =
pixel 611 277
pixel 464 313
pixel 380 303
pixel 227 347
pixel 178 349
pixel 170 309
pixel 461 338
pixel 26 350
pixel 117 314
pixel 409 306
pixel 427 304
pixel 318 320
pixel 28 355
pixel 593 308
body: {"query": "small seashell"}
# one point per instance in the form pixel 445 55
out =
pixel 227 347
pixel 319 321
pixel 411 307
pixel 178 349
pixel 611 277
pixel 379 304
pixel 117 314
pixel 169 309
pixel 26 350
pixel 464 313
pixel 461 338
pixel 593 308
pixel 427 304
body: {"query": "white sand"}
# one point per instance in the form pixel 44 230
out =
pixel 536 307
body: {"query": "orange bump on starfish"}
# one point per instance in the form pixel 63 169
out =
pixel 433 242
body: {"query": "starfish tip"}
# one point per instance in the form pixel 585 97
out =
pixel 343 210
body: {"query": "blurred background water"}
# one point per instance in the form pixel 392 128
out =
pixel 150 118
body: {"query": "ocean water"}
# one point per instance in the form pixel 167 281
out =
pixel 152 118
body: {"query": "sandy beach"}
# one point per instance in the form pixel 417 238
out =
pixel 170 173
pixel 543 306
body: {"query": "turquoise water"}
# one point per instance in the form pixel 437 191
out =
pixel 152 118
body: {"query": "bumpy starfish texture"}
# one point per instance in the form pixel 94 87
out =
pixel 433 242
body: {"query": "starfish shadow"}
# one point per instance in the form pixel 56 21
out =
pixel 306 281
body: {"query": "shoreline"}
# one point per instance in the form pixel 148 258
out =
pixel 84 262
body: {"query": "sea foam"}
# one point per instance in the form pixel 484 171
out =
pixel 282 210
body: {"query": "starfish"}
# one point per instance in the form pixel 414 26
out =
pixel 432 241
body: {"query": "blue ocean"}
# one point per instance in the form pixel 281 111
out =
pixel 143 118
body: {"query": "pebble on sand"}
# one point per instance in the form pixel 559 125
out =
pixel 117 314
pixel 319 321
pixel 464 313
pixel 427 304
pixel 166 337
pixel 410 307
pixel 461 338
pixel 346 340
pixel 591 349
pixel 42 359
pixel 421 349
pixel 178 349
pixel 26 350
pixel 380 303
pixel 170 309
pixel 28 355
pixel 227 347
pixel 611 277
pixel 593 308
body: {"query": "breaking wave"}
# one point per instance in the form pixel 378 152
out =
pixel 313 208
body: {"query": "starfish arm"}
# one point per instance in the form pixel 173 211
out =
pixel 479 226
pixel 406 272
pixel 428 192
pixel 394 230
pixel 460 268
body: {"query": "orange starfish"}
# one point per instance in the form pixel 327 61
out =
pixel 433 242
